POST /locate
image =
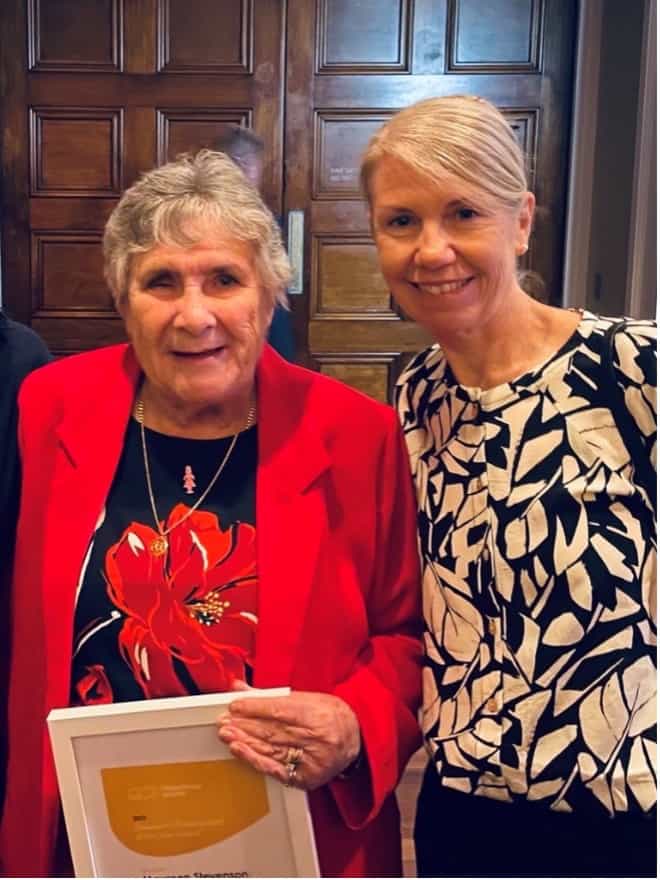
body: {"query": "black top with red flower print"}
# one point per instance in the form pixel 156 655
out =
pixel 153 623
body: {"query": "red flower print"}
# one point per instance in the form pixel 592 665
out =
pixel 93 688
pixel 195 604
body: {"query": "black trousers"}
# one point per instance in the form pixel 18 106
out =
pixel 460 835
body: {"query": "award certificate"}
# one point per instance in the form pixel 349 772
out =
pixel 148 790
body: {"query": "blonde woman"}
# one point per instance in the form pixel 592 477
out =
pixel 531 434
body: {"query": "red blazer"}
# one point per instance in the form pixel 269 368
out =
pixel 339 584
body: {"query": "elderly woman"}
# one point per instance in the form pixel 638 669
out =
pixel 189 524
pixel 531 433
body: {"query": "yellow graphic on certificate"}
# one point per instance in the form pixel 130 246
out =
pixel 171 809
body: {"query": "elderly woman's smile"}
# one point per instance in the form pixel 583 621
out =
pixel 197 317
pixel 204 357
pixel 196 356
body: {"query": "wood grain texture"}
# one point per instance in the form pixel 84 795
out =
pixel 72 37
pixel 100 114
pixel 449 50
pixel 314 79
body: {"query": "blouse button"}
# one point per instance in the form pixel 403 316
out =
pixel 492 626
pixel 492 704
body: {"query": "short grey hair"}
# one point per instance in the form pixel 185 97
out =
pixel 181 203
pixel 461 135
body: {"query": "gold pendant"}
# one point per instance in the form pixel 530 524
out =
pixel 158 546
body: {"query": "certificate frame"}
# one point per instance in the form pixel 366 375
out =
pixel 91 742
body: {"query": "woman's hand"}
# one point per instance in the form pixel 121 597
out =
pixel 267 731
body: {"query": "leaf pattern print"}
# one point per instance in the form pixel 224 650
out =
pixel 539 556
pixel 454 618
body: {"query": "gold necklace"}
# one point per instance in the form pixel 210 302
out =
pixel 160 544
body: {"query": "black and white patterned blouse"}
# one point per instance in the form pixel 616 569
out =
pixel 539 557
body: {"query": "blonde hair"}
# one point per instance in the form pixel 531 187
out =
pixel 181 203
pixel 461 135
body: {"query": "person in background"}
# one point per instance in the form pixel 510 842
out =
pixel 247 150
pixel 21 351
pixel 189 524
pixel 531 432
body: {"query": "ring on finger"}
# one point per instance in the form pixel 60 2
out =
pixel 290 775
pixel 294 756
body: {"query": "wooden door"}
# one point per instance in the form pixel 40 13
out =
pixel 349 66
pixel 92 92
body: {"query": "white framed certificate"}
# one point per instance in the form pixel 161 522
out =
pixel 149 790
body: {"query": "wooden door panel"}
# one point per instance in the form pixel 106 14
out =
pixel 72 36
pixel 370 374
pixel 339 141
pixel 373 374
pixel 500 34
pixel 367 37
pixel 102 92
pixel 68 272
pixel 347 280
pixel 188 44
pixel 75 151
pixel 350 66
pixel 349 216
pixel 66 213
pixel 181 130
pixel 341 336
